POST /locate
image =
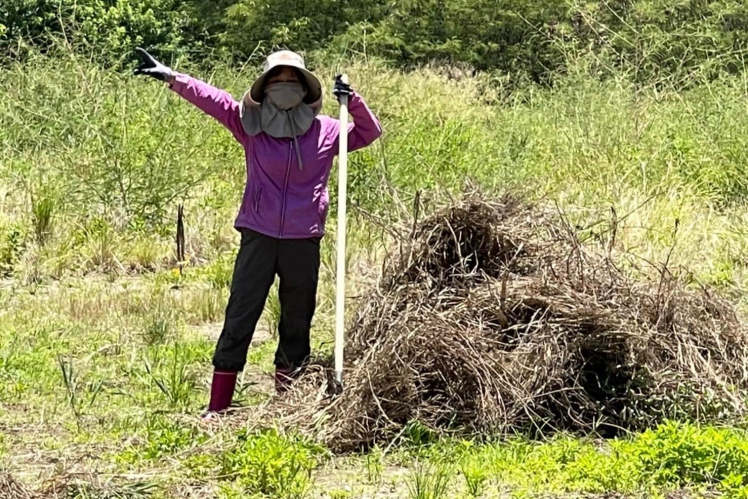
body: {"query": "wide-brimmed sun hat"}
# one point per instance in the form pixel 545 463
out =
pixel 292 60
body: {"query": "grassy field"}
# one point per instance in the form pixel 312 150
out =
pixel 105 347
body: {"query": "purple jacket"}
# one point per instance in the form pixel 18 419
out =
pixel 280 199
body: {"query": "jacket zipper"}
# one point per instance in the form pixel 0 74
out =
pixel 257 199
pixel 285 188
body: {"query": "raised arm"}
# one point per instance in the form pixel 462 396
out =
pixel 217 103
pixel 212 101
pixel 365 128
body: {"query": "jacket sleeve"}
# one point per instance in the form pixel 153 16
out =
pixel 365 128
pixel 212 101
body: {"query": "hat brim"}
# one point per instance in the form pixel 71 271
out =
pixel 313 85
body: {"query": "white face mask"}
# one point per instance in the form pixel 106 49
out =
pixel 286 96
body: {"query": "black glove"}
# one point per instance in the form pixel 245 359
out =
pixel 151 67
pixel 340 89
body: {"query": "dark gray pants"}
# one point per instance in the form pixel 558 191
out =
pixel 260 259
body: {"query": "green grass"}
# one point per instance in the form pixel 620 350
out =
pixel 104 355
pixel 114 169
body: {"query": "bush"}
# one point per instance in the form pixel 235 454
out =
pixel 109 28
pixel 519 39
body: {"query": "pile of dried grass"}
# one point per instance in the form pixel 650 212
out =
pixel 496 319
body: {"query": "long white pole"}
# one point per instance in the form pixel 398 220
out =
pixel 340 274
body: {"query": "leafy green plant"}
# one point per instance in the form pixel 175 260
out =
pixel 200 465
pixel 274 464
pixel 164 440
pixel 11 248
pixel 163 437
pixel 80 396
pixel 685 454
pixel 220 272
pixel 42 210
pixel 429 481
pixel 419 435
pixel 373 462
pixel 145 254
pixel 475 475
pixel 172 377
pixel 79 489
pixel 160 323
pixel 99 246
pixel 207 305
pixel 70 381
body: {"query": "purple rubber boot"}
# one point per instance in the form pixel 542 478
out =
pixel 221 392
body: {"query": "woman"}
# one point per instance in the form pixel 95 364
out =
pixel 289 151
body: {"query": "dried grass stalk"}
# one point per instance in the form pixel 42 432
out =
pixel 10 488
